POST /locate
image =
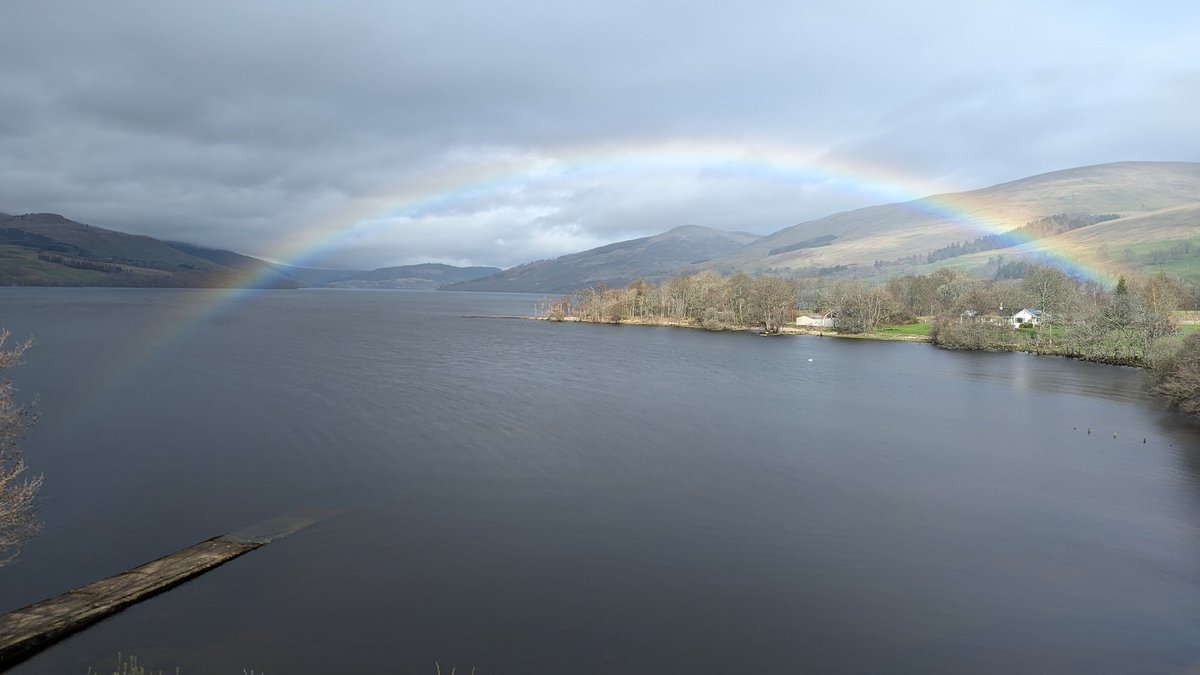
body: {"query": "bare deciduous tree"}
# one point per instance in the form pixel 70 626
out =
pixel 1050 291
pixel 772 302
pixel 860 308
pixel 18 492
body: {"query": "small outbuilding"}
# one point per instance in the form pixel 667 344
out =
pixel 826 320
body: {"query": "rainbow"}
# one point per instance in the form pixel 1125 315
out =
pixel 958 209
pixel 499 172
pixel 468 178
pixel 464 181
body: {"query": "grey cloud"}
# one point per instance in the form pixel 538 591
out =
pixel 232 124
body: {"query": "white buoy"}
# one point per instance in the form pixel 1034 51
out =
pixel 810 360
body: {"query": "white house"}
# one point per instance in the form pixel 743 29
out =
pixel 1030 316
pixel 825 320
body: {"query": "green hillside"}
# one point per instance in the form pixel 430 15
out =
pixel 617 264
pixel 1136 245
pixel 426 276
pixel 1140 192
pixel 1131 218
pixel 46 249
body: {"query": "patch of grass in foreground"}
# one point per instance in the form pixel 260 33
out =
pixel 1189 328
pixel 907 329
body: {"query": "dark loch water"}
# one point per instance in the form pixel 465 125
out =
pixel 523 497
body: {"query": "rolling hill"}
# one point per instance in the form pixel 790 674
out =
pixel 1124 218
pixel 1151 212
pixel 652 258
pixel 47 249
pixel 425 276
pixel 888 232
pixel 1167 240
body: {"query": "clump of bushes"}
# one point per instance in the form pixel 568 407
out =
pixel 953 334
pixel 1177 376
pixel 716 320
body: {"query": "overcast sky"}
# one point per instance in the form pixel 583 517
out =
pixel 364 134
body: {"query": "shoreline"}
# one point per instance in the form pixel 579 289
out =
pixel 668 323
pixel 795 330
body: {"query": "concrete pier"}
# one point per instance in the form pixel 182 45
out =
pixel 26 631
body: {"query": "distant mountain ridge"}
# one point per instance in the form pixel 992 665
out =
pixel 891 231
pixel 1148 207
pixel 427 276
pixel 47 249
pixel 617 264
pixel 1136 217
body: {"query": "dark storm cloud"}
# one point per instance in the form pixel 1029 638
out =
pixel 243 124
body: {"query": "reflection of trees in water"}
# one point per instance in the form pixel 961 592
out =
pixel 1183 436
pixel 1052 374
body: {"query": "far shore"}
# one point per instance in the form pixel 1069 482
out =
pixel 918 333
pixel 783 330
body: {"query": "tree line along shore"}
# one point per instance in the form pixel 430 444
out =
pixel 1152 322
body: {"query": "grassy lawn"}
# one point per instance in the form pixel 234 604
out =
pixel 1188 329
pixel 907 329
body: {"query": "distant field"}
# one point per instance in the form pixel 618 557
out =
pixel 21 266
pixel 1188 268
pixel 1188 329
pixel 908 329
pixel 1143 248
